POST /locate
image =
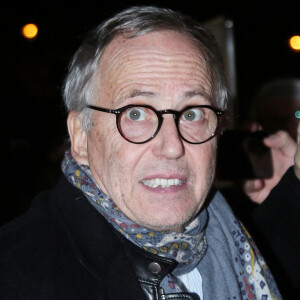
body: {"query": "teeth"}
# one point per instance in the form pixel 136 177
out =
pixel 164 183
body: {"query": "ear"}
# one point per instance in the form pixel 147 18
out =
pixel 78 138
pixel 222 126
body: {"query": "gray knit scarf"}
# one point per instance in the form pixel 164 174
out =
pixel 215 242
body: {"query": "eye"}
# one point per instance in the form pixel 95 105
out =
pixel 136 114
pixel 193 114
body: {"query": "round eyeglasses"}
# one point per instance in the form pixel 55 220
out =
pixel 139 124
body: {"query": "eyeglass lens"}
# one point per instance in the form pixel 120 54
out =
pixel 196 125
pixel 138 124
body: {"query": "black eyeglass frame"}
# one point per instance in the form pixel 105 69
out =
pixel 159 113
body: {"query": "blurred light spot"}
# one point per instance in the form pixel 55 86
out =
pixel 29 31
pixel 297 114
pixel 228 23
pixel 295 42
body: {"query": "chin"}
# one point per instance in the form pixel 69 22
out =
pixel 168 222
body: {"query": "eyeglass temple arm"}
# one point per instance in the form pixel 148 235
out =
pixel 111 111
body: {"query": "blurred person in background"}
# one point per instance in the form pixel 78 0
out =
pixel 276 218
pixel 274 105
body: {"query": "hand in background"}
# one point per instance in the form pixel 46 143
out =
pixel 283 149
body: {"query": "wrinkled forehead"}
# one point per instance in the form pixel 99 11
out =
pixel 163 52
pixel 162 40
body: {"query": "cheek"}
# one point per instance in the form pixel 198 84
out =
pixel 113 161
pixel 204 160
pixel 212 156
pixel 103 137
pixel 101 152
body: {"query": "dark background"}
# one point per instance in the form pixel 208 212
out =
pixel 33 118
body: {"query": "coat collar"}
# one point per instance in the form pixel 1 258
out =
pixel 104 252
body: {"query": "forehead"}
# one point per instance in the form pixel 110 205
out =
pixel 163 58
pixel 175 39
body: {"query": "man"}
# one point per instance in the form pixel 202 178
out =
pixel 273 110
pixel 285 156
pixel 275 221
pixel 135 215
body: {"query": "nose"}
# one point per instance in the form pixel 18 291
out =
pixel 168 143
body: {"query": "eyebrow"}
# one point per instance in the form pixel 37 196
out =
pixel 186 95
pixel 137 93
pixel 198 92
pixel 134 93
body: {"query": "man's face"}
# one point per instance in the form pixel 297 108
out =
pixel 165 70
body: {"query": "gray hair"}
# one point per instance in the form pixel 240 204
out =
pixel 80 84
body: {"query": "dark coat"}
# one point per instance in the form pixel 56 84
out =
pixel 64 249
pixel 276 227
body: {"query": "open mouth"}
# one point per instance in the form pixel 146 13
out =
pixel 163 183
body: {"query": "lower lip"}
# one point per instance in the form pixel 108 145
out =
pixel 171 189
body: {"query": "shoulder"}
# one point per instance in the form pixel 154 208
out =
pixel 29 234
pixel 34 220
pixel 59 246
pixel 37 220
pixel 33 248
